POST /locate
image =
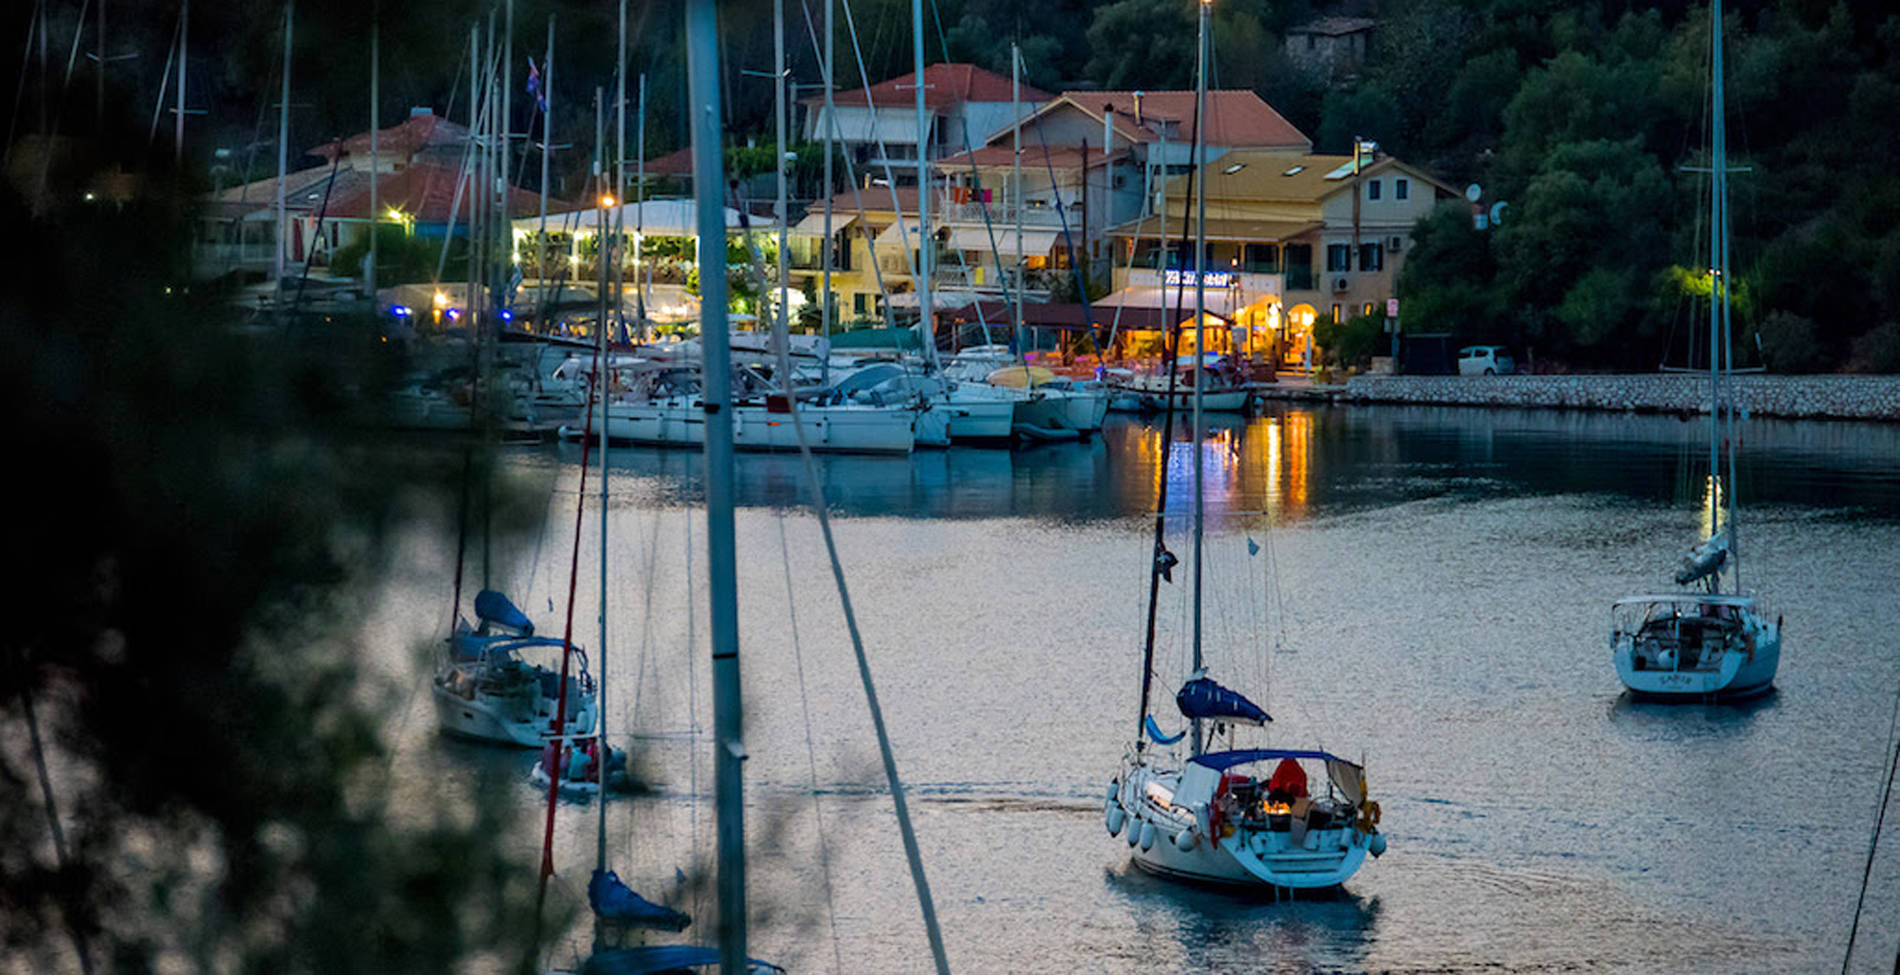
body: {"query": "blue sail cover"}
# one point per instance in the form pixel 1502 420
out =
pixel 1202 698
pixel 493 607
pixel 613 900
pixel 1154 732
pixel 653 959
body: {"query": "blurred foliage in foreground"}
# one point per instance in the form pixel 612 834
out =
pixel 203 527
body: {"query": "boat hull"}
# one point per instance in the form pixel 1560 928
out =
pixel 482 719
pixel 1743 666
pixel 834 429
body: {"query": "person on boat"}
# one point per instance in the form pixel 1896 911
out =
pixel 1287 783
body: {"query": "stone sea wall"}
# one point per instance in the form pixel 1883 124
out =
pixel 1830 397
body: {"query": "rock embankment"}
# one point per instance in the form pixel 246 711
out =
pixel 1802 397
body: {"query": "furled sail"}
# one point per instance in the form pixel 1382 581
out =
pixel 1202 698
pixel 493 607
pixel 1705 559
pixel 613 900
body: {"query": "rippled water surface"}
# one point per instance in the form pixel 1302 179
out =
pixel 1431 593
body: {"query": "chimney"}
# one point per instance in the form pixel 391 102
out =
pixel 1108 128
pixel 1138 119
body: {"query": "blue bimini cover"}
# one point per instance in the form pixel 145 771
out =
pixel 493 607
pixel 1202 698
pixel 613 900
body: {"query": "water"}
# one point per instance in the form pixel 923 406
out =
pixel 1431 593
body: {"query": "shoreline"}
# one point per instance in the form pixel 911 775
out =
pixel 1824 397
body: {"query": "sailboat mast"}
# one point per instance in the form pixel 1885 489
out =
pixel 1200 330
pixel 1718 177
pixel 781 335
pixel 1717 163
pixel 924 246
pixel 541 250
pixel 1016 178
pixel 702 60
pixel 283 158
pixel 603 374
pixel 824 304
pixel 639 213
pixel 375 163
pixel 620 180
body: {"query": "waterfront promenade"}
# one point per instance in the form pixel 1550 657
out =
pixel 1843 397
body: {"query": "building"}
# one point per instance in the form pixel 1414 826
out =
pixel 877 125
pixel 418 170
pixel 1331 47
pixel 1290 238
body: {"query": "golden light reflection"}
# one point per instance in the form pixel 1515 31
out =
pixel 1712 499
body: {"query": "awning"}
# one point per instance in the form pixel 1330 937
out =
pixel 1217 301
pixel 814 223
pixel 1218 228
pixel 858 123
pixel 1035 243
pixel 900 236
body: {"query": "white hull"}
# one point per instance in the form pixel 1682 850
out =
pixel 1171 840
pixel 1740 664
pixel 1085 409
pixel 1143 398
pixel 973 418
pixel 838 429
pixel 506 721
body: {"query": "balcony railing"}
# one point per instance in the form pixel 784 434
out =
pixel 1000 214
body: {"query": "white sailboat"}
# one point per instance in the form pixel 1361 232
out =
pixel 1210 817
pixel 1713 641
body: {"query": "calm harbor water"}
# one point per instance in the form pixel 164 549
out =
pixel 1431 592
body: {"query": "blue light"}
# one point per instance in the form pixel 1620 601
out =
pixel 507 316
pixel 455 313
pixel 400 311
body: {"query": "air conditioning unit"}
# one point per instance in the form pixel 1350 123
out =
pixel 1341 284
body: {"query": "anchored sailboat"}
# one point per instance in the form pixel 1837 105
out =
pixel 1712 641
pixel 1206 818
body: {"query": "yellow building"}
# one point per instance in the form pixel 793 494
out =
pixel 1290 238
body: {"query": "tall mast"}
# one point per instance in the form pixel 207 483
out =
pixel 184 65
pixel 924 246
pixel 620 175
pixel 547 149
pixel 639 213
pixel 1716 165
pixel 1200 328
pixel 1718 222
pixel 824 304
pixel 1016 176
pixel 702 60
pixel 603 374
pixel 375 161
pixel 780 334
pixel 283 156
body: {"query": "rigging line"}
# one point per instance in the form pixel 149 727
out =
pixel 35 28
pixel 47 797
pixel 811 749
pixel 692 702
pixel 323 210
pixel 164 90
pixel 1873 842
pixel 646 613
pixel 890 178
pixel 567 644
pixel 900 805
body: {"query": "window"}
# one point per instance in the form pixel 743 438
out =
pixel 1372 190
pixel 861 303
pixel 1261 259
pixel 1299 267
pixel 1371 257
pixel 1336 310
pixel 1367 310
pixel 1401 189
pixel 1338 257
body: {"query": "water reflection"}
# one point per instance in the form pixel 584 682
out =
pixel 1298 461
pixel 1219 929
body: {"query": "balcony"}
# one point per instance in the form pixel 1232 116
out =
pixel 1000 214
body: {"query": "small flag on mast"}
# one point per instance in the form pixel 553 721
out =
pixel 534 86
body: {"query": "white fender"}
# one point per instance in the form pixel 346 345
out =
pixel 1148 833
pixel 1186 840
pixel 1134 831
pixel 1377 846
pixel 1116 816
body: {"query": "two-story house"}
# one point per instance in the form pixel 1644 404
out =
pixel 877 124
pixel 1289 239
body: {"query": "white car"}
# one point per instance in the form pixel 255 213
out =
pixel 1485 360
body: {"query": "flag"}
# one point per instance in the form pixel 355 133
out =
pixel 1253 547
pixel 534 86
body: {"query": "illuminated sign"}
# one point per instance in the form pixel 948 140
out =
pixel 1178 277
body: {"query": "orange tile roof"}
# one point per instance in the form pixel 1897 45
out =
pixel 1235 119
pixel 948 84
pixel 415 134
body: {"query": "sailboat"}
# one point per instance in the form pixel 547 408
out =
pixel 1709 640
pixel 1218 816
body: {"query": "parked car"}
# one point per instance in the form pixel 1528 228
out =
pixel 1485 360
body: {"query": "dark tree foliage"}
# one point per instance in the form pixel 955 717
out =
pixel 202 528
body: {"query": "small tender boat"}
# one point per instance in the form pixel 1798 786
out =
pixel 579 770
pixel 488 690
pixel 1223 390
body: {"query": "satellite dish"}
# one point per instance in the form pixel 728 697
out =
pixel 1474 191
pixel 1497 212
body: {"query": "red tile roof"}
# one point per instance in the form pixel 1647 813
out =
pixel 426 191
pixel 1235 119
pixel 947 84
pixel 419 132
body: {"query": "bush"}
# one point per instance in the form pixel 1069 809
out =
pixel 1878 350
pixel 1351 343
pixel 1787 342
